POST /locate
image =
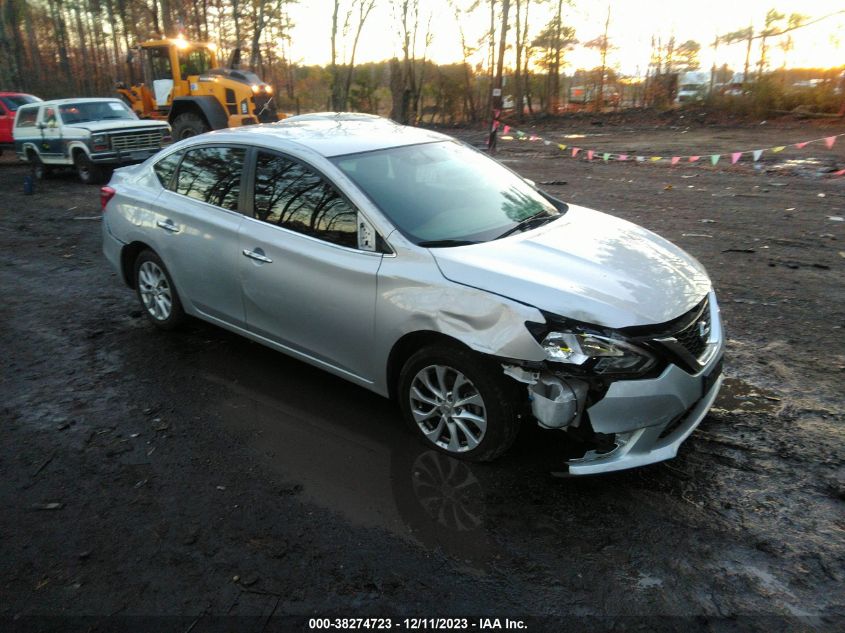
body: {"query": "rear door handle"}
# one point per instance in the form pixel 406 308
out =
pixel 167 225
pixel 257 255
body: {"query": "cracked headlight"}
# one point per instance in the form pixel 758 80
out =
pixel 595 353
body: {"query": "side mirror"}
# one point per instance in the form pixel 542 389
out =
pixel 41 126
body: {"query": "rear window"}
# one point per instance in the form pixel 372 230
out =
pixel 27 117
pixel 166 167
pixel 212 175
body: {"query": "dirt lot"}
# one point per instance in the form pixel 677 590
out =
pixel 197 475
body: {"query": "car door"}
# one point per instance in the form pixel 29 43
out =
pixel 307 287
pixel 51 135
pixel 196 224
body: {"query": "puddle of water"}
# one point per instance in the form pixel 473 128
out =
pixel 351 455
pixel 803 166
pixel 738 396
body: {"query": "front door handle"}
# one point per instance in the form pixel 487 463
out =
pixel 167 225
pixel 259 256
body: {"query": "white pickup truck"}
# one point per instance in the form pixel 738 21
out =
pixel 88 134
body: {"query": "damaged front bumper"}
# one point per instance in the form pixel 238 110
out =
pixel 635 422
pixel 649 419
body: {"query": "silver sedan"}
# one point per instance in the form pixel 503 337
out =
pixel 417 267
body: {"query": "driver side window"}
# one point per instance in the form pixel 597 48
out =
pixel 290 195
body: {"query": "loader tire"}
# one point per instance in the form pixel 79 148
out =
pixel 189 124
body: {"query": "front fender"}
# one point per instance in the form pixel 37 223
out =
pixel 414 297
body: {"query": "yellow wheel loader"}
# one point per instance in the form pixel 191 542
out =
pixel 183 84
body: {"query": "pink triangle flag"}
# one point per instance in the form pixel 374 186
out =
pixel 735 157
pixel 841 172
pixel 801 145
pixel 590 154
pixel 506 129
pixel 675 160
pixel 692 159
pixel 623 156
pixel 757 154
pixel 575 151
pixel 533 138
pixel 829 141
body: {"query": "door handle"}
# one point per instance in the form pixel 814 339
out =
pixel 261 257
pixel 167 225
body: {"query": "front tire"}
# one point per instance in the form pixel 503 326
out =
pixel 156 292
pixel 459 402
pixel 88 172
pixel 189 124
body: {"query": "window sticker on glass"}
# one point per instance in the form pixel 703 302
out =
pixel 115 106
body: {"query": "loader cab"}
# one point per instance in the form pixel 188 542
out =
pixel 170 64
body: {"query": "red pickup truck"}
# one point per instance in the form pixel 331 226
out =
pixel 9 104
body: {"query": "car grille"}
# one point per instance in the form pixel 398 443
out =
pixel 694 337
pixel 136 140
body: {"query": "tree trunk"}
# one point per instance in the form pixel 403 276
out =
pixel 517 71
pixel 604 45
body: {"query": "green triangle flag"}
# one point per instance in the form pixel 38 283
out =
pixel 605 156
pixel 714 158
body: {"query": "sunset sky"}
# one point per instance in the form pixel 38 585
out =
pixel 633 22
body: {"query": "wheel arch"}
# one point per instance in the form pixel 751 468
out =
pixel 75 147
pixel 407 346
pixel 206 107
pixel 26 148
pixel 128 255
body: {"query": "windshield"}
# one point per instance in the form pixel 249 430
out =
pixel 86 111
pixel 12 103
pixel 194 62
pixel 444 191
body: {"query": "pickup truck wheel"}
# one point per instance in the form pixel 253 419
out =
pixel 459 402
pixel 39 170
pixel 88 172
pixel 189 124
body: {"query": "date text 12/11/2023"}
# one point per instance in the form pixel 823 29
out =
pixel 417 624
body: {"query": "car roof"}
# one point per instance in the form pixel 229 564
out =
pixel 331 134
pixel 16 94
pixel 60 102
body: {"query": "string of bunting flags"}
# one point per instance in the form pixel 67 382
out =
pixel 591 154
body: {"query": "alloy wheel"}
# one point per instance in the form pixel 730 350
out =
pixel 448 408
pixel 155 290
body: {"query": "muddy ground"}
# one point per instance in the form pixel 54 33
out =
pixel 198 475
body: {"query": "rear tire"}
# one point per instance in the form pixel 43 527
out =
pixel 40 171
pixel 189 124
pixel 156 292
pixel 88 172
pixel 459 402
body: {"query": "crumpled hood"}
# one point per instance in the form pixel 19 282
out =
pixel 587 266
pixel 114 125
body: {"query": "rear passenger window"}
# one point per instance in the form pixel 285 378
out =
pixel 291 195
pixel 212 175
pixel 166 167
pixel 27 117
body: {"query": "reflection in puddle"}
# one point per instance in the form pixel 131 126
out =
pixel 361 463
pixel 737 396
pixel 448 491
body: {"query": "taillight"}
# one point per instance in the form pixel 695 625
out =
pixel 106 194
